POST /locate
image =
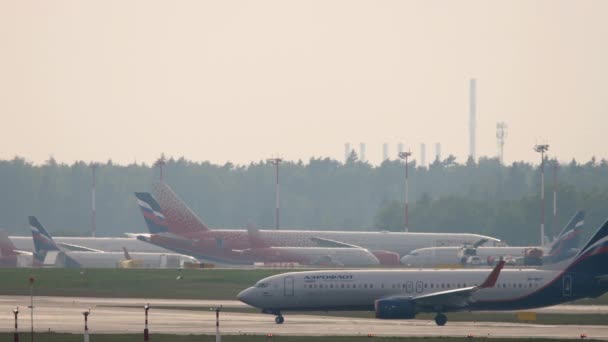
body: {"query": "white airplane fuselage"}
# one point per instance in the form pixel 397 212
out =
pixel 515 289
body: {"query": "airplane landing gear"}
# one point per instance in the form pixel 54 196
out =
pixel 279 319
pixel 441 319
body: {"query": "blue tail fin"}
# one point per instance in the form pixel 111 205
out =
pixel 152 212
pixel 569 239
pixel 43 241
pixel 577 221
pixel 593 258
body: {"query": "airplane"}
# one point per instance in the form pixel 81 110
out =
pixel 402 294
pixel 48 253
pixel 562 248
pixel 174 226
pixel 260 251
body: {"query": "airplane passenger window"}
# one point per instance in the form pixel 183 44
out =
pixel 432 285
pixel 365 285
pixel 342 285
pixel 331 286
pixel 371 286
pixel 426 285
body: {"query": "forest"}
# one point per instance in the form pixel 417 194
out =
pixel 323 194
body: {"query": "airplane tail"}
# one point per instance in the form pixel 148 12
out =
pixel 7 249
pixel 126 253
pixel 180 218
pixel 43 241
pixel 569 238
pixel 152 212
pixel 593 258
pixel 577 221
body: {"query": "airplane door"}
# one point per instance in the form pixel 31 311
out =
pixel 288 286
pixel 567 285
pixel 419 286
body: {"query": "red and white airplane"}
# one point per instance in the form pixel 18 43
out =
pixel 174 226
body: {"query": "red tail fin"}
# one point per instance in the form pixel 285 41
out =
pixel 179 217
pixel 6 245
pixel 493 277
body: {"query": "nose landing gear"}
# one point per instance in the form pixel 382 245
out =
pixel 441 319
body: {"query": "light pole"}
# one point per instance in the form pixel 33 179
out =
pixel 404 156
pixel 218 337
pixel 16 335
pixel 146 332
pixel 555 166
pixel 276 162
pixel 542 149
pixel 31 280
pixel 160 163
pixel 94 167
pixel 86 326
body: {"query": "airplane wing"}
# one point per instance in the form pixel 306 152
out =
pixel 22 252
pixel 322 242
pixel 78 248
pixel 456 298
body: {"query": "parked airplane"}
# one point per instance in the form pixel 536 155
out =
pixel 48 253
pixel 564 247
pixel 174 226
pixel 402 294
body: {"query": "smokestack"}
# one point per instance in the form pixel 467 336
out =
pixel 362 152
pixel 438 151
pixel 473 119
pixel 400 147
pixel 423 155
pixel 385 152
pixel 347 151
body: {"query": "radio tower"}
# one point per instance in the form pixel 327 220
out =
pixel 501 137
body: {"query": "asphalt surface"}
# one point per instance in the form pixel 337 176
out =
pixel 119 315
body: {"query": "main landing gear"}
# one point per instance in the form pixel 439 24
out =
pixel 441 319
pixel 279 319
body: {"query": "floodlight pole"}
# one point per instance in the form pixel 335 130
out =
pixel 94 167
pixel 542 149
pixel 555 166
pixel 16 334
pixel 146 332
pixel 404 156
pixel 276 162
pixel 86 326
pixel 160 163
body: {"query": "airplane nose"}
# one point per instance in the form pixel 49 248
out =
pixel 245 296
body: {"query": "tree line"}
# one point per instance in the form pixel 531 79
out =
pixel 447 196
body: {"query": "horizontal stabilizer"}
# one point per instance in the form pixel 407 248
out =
pixel 78 248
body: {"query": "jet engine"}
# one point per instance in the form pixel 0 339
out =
pixel 395 308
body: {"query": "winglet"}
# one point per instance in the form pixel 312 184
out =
pixel 493 277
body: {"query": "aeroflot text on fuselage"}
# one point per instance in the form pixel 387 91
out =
pixel 332 277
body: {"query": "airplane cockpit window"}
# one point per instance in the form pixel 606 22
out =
pixel 261 285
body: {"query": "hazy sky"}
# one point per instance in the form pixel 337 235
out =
pixel 245 80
